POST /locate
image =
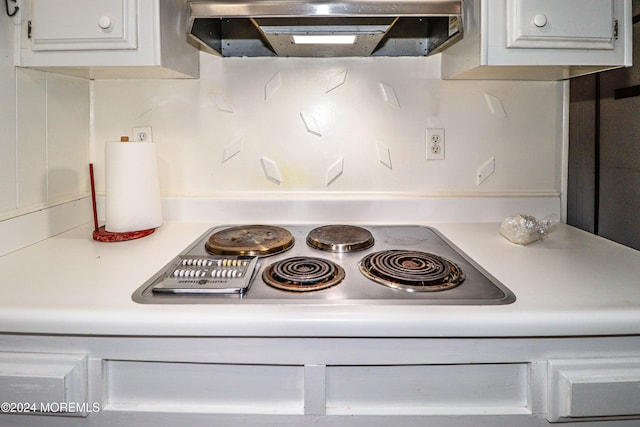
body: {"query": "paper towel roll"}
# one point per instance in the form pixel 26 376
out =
pixel 132 200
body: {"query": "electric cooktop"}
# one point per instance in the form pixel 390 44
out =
pixel 322 264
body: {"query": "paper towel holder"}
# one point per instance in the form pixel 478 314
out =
pixel 100 234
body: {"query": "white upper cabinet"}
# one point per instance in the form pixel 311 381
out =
pixel 83 25
pixel 555 24
pixel 540 39
pixel 108 38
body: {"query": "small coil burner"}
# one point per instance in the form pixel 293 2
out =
pixel 250 240
pixel 412 271
pixel 303 274
pixel 340 238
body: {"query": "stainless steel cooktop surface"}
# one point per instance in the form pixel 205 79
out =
pixel 322 264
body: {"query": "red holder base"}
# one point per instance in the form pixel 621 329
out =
pixel 102 235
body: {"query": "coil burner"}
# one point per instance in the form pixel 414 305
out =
pixel 411 271
pixel 340 238
pixel 250 240
pixel 303 274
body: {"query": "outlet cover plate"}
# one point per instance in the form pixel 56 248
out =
pixel 435 144
pixel 142 134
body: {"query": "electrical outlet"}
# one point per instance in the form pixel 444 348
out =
pixel 435 144
pixel 142 134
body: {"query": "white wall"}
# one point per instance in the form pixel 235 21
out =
pixel 44 134
pixel 214 134
pixel 254 108
pixel 8 196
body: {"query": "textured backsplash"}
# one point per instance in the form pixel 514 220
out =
pixel 336 125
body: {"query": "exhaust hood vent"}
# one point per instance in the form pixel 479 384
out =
pixel 325 28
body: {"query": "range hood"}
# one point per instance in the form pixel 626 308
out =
pixel 325 28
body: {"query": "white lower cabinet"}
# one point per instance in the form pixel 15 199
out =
pixel 428 389
pixel 54 384
pixel 213 388
pixel 581 389
pixel 151 381
pixel 340 390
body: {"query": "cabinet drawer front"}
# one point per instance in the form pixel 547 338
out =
pixel 43 383
pixel 203 388
pixel 583 389
pixel 428 389
pixel 567 24
pixel 83 24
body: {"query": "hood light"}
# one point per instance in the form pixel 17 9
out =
pixel 324 39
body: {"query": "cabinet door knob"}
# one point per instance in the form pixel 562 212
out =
pixel 540 20
pixel 105 22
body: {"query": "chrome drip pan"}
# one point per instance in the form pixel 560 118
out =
pixel 182 283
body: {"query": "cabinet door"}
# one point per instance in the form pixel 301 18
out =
pixel 566 24
pixel 83 24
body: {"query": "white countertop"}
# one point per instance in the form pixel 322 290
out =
pixel 570 284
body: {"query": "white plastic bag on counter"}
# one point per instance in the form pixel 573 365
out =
pixel 525 229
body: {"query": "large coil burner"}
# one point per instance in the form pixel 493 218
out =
pixel 250 240
pixel 411 271
pixel 303 274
